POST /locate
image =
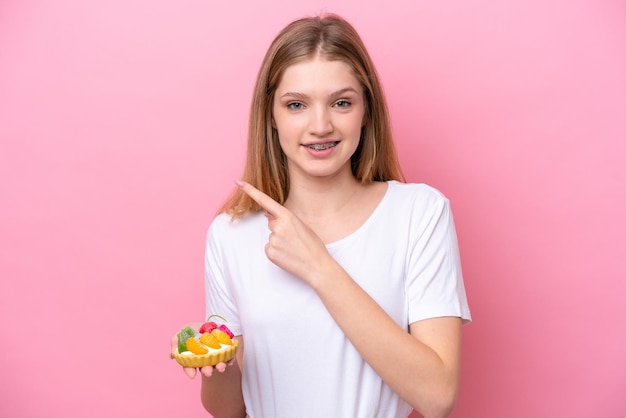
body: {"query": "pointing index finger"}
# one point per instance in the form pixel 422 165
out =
pixel 266 202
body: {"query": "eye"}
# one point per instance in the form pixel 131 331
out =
pixel 343 103
pixel 295 106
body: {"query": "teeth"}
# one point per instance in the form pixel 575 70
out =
pixel 320 147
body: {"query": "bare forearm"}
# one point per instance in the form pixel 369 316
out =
pixel 221 392
pixel 410 367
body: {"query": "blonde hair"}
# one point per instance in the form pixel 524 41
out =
pixel 333 38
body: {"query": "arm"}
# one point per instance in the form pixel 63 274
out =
pixel 221 392
pixel 422 367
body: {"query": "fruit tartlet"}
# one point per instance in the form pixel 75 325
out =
pixel 210 345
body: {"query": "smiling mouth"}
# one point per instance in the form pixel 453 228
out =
pixel 321 147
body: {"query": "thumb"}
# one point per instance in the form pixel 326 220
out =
pixel 190 372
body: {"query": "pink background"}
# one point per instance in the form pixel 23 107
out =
pixel 122 128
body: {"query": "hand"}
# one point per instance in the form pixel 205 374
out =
pixel 292 245
pixel 192 371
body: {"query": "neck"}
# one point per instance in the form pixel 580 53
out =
pixel 319 197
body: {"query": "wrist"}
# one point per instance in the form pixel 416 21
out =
pixel 326 273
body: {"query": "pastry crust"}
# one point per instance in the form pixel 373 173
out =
pixel 209 359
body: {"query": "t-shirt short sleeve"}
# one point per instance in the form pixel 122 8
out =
pixel 218 290
pixel 434 277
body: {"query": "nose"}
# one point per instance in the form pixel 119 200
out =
pixel 321 121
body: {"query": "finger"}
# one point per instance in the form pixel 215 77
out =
pixel 207 371
pixel 270 205
pixel 190 372
pixel 220 367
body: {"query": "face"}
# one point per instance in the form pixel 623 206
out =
pixel 318 112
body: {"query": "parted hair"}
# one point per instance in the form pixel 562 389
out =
pixel 333 38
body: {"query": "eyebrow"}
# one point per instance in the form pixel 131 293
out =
pixel 337 93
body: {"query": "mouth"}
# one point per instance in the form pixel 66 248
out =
pixel 322 146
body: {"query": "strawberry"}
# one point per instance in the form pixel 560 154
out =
pixel 207 327
pixel 226 330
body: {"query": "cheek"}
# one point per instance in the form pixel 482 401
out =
pixel 283 136
pixel 288 127
pixel 357 125
pixel 281 132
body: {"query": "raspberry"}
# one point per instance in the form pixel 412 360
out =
pixel 195 347
pixel 226 330
pixel 210 340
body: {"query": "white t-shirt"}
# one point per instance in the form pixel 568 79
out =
pixel 297 361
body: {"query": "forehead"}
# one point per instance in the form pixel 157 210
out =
pixel 318 73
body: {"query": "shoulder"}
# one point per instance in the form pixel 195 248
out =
pixel 226 228
pixel 420 194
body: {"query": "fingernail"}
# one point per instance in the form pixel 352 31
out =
pixel 239 183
